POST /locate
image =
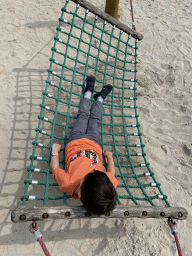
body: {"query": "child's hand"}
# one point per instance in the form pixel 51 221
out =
pixel 56 148
pixel 110 162
pixel 107 154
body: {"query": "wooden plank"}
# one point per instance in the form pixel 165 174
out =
pixel 112 8
pixel 109 19
pixel 64 212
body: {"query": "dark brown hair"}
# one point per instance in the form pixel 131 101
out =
pixel 98 194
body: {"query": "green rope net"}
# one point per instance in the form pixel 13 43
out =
pixel 86 45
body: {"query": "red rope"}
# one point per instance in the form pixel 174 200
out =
pixel 43 246
pixel 133 23
pixel 178 244
pixel 172 225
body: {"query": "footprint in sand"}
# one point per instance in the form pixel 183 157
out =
pixel 186 66
pixel 170 78
pixel 186 150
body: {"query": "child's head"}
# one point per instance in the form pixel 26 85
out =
pixel 98 194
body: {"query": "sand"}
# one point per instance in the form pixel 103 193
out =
pixel 164 100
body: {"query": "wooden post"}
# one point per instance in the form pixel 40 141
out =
pixel 65 212
pixel 112 8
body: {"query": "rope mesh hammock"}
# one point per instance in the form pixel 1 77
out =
pixel 87 45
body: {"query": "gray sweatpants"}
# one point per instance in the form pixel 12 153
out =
pixel 87 126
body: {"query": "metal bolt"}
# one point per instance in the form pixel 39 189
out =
pixel 67 214
pixel 126 213
pixel 22 217
pixel 144 213
pixel 180 214
pixel 162 214
pixel 45 215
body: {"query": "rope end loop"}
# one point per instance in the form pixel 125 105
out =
pixel 172 225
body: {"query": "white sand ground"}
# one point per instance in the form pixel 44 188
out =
pixel 164 100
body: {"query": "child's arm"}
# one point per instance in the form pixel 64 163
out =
pixel 56 148
pixel 110 162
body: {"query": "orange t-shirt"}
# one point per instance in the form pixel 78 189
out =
pixel 79 167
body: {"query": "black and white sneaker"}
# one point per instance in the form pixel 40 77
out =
pixel 89 84
pixel 104 92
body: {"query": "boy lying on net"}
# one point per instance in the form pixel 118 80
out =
pixel 85 178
